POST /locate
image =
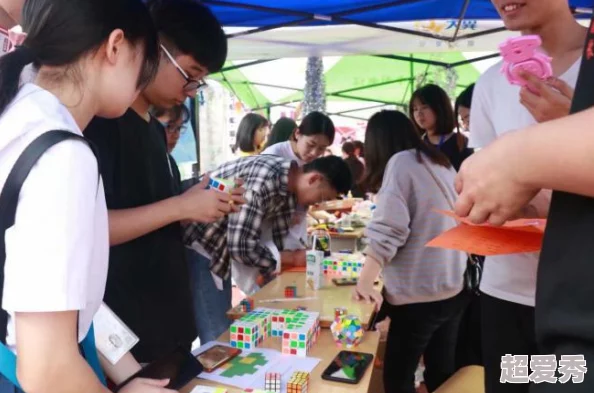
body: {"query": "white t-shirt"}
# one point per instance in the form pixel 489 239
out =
pixel 58 249
pixel 298 232
pixel 496 110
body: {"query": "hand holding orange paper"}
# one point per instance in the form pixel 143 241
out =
pixel 517 236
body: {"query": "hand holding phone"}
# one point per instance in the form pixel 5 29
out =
pixel 521 54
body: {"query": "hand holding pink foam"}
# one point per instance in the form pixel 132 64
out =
pixel 521 54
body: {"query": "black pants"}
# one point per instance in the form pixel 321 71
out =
pixel 428 329
pixel 469 348
pixel 507 328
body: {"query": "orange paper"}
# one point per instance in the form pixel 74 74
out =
pixel 487 240
pixel 517 236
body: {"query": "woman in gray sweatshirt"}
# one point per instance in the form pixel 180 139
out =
pixel 422 286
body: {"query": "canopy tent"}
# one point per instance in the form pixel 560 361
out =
pixel 343 27
pixel 354 84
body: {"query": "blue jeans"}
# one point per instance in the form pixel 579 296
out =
pixel 210 304
pixel 7 387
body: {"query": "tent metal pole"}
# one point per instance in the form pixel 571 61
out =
pixel 270 27
pixel 347 116
pixel 415 60
pixel 460 19
pixel 369 86
pixel 251 63
pixel 481 33
pixel 470 61
pixel 375 7
pixel 273 86
pixel 361 98
pixel 339 19
pixel 362 109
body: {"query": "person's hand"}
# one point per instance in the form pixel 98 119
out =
pixel 487 183
pixel 365 292
pixel 143 385
pixel 205 206
pixel 264 279
pixel 546 100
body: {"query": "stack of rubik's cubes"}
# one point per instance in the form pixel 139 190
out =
pixel 339 265
pixel 299 329
pixel 249 331
pixel 273 382
pixel 299 382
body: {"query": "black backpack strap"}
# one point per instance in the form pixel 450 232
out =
pixel 9 196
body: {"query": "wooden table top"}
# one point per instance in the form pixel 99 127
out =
pixel 325 349
pixel 323 301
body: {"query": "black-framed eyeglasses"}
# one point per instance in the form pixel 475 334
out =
pixel 191 84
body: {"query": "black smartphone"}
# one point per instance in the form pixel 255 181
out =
pixel 179 366
pixel 348 367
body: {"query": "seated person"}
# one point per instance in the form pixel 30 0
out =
pixel 274 187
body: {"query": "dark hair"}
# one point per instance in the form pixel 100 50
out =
pixel 359 145
pixel 247 130
pixel 439 102
pixel 334 169
pixel 317 123
pixel 175 113
pixel 389 132
pixel 59 33
pixel 348 148
pixel 465 100
pixel 190 27
pixel 281 131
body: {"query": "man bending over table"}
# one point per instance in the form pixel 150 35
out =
pixel 274 186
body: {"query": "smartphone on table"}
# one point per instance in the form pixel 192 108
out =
pixel 215 357
pixel 179 366
pixel 348 367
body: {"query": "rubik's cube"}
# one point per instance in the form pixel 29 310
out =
pixel 299 330
pixel 273 382
pixel 291 291
pixel 220 184
pixel 299 382
pixel 338 266
pixel 249 331
pixel 339 312
pixel 247 305
pixel 347 330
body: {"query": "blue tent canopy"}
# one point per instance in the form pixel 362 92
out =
pixel 266 13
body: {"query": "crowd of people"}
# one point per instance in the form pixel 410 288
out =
pixel 107 218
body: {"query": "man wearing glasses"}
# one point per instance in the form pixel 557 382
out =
pixel 148 283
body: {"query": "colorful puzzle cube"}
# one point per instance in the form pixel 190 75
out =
pixel 291 291
pixel 347 330
pixel 339 312
pixel 221 184
pixel 342 265
pixel 273 382
pixel 299 382
pixel 249 331
pixel 247 305
pixel 299 330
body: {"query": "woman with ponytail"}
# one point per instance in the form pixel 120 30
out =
pixel 91 58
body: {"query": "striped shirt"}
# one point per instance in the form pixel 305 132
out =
pixel 404 221
pixel 237 236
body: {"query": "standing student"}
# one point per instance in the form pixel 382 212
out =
pixel 282 131
pixel 355 166
pixel 509 281
pixel 422 285
pixel 91 59
pixel 251 135
pixel 462 108
pixel 308 142
pixel 432 114
pixel 148 284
